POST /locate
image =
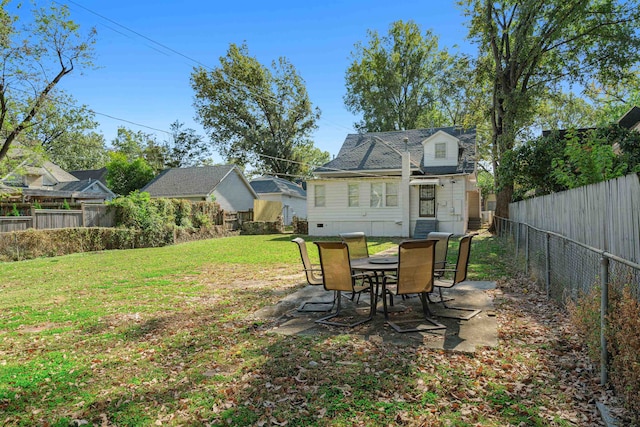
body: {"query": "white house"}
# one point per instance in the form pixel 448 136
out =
pixel 402 183
pixel 292 196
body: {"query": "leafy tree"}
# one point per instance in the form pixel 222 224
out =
pixel 310 158
pixel 255 115
pixel 528 48
pixel 393 82
pixel 485 183
pixel 561 110
pixel 125 176
pixel 65 132
pixel 530 166
pixel 185 148
pixel 587 161
pixel 563 160
pixel 616 98
pixel 139 145
pixel 34 58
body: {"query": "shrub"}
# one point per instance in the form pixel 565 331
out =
pixel 584 314
pixel 623 339
pixel 32 243
pixel 183 213
pixel 624 346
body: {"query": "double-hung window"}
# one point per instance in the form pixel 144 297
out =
pixel 319 195
pixel 384 194
pixel 354 195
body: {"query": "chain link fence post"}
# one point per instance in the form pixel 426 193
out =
pixel 547 252
pixel 604 310
pixel 526 250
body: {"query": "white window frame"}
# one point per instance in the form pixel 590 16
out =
pixel 353 195
pixel 384 194
pixel 440 150
pixel 391 194
pixel 319 195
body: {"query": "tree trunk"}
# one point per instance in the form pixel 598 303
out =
pixel 503 198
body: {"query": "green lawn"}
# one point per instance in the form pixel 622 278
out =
pixel 161 337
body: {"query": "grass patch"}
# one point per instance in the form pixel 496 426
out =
pixel 162 337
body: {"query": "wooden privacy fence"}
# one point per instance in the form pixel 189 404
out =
pixel 604 215
pixel 90 215
pixel 266 210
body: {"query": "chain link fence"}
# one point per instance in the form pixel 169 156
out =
pixel 563 267
pixel 567 269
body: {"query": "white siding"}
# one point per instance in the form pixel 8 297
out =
pixel 430 150
pixel 233 194
pixel 449 205
pixel 337 217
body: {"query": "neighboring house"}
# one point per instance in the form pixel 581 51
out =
pixel 292 196
pixel 224 183
pixel 402 183
pixel 50 183
pixel 93 174
pixel 631 119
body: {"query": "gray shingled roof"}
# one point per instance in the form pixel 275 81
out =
pixel 95 174
pixel 380 151
pixel 272 184
pixel 630 118
pixel 71 186
pixel 192 181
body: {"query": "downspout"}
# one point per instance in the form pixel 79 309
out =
pixel 404 190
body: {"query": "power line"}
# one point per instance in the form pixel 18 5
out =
pixel 68 104
pixel 232 80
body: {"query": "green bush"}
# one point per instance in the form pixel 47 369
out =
pixel 32 243
pixel 139 222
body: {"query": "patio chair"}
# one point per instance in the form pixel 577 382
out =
pixel 338 276
pixel 358 249
pixel 414 276
pixel 313 274
pixel 459 274
pixel 442 247
pixel 357 242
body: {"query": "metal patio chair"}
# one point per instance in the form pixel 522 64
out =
pixel 338 276
pixel 358 249
pixel 414 276
pixel 440 261
pixel 313 273
pixel 459 274
pixel 357 242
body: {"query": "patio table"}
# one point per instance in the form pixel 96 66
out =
pixel 379 265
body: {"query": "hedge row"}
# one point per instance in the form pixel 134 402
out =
pixel 32 243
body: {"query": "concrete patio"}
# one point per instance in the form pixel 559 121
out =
pixel 460 335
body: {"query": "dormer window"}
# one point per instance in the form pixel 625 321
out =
pixel 441 149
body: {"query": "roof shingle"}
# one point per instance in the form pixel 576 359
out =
pixel 381 151
pixel 191 181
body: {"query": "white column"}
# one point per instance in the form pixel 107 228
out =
pixel 404 193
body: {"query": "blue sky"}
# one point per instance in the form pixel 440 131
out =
pixel 140 81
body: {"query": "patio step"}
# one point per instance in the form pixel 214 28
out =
pixel 475 224
pixel 424 227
